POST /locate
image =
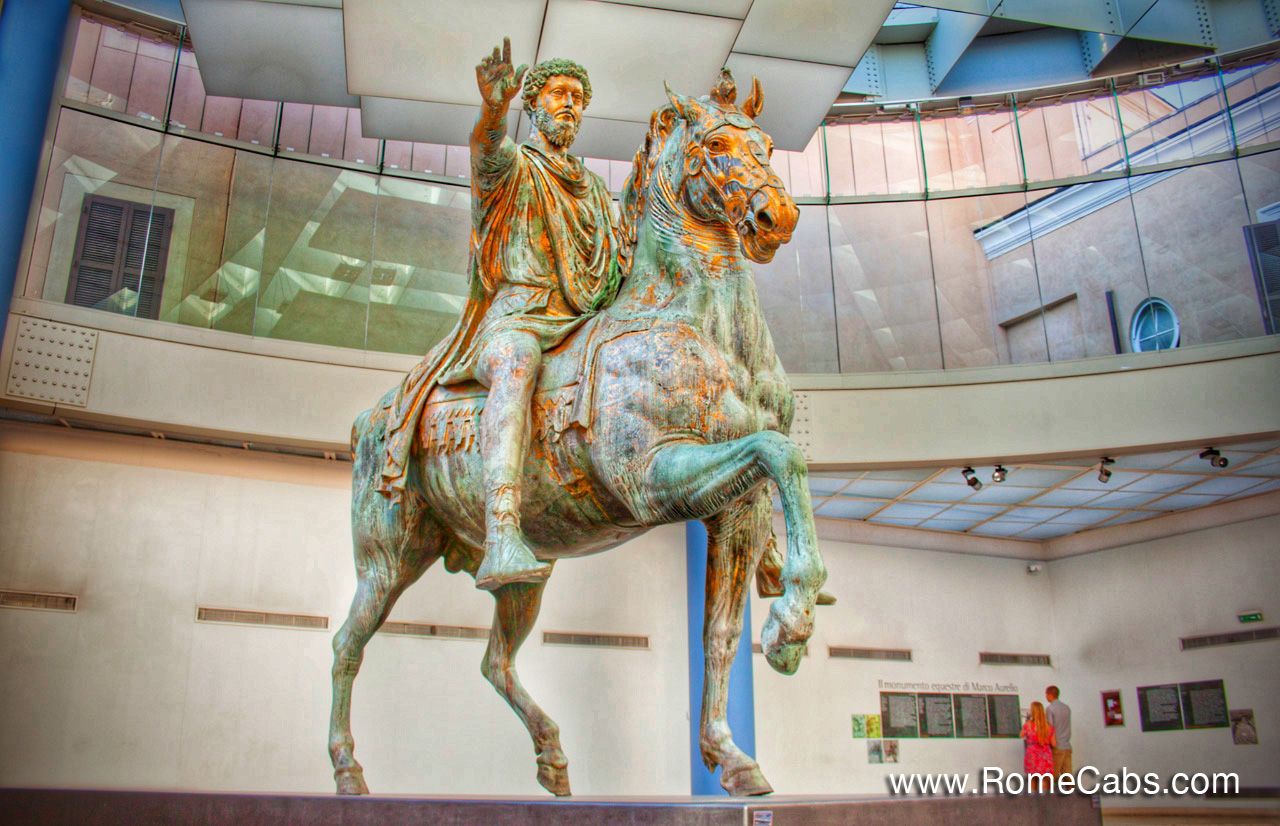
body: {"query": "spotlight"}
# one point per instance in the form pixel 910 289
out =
pixel 1104 475
pixel 998 475
pixel 1214 457
pixel 971 478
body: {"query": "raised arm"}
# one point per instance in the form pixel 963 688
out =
pixel 498 84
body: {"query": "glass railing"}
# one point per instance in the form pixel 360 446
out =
pixel 1030 231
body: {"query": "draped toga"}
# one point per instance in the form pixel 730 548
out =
pixel 543 259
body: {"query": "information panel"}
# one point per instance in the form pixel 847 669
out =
pixel 1004 714
pixel 971 715
pixel 1204 705
pixel 1159 708
pixel 898 714
pixel 936 719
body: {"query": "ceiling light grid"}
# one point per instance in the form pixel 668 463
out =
pixel 1044 500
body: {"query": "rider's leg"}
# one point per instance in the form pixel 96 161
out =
pixel 509 366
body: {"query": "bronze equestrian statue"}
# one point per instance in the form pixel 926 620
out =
pixel 658 399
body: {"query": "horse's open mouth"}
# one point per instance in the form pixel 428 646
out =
pixel 758 246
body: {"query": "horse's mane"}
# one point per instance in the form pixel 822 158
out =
pixel 632 202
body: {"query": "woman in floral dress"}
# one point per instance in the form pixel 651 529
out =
pixel 1039 739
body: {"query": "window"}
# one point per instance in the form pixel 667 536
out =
pixel 1154 326
pixel 120 257
pixel 1263 242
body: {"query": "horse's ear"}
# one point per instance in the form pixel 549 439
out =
pixel 686 106
pixel 755 102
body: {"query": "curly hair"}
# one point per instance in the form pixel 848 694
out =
pixel 547 69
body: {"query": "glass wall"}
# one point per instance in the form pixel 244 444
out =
pixel 948 239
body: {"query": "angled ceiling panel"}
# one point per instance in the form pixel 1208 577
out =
pixel 953 34
pixel 423 121
pixel 428 51
pixel 970 6
pixel 796 95
pixel 737 9
pixel 242 54
pixel 828 31
pixel 1086 15
pixel 614 140
pixel 1176 21
pixel 630 50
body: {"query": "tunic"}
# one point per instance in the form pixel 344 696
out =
pixel 543 259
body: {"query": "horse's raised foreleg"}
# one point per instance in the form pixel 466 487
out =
pixel 516 611
pixel 695 481
pixel 735 539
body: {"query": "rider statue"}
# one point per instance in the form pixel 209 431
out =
pixel 543 259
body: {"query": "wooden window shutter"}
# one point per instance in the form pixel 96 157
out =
pixel 120 245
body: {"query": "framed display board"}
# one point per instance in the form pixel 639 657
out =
pixel 898 714
pixel 935 715
pixel 1204 704
pixel 1004 715
pixel 1160 707
pixel 970 711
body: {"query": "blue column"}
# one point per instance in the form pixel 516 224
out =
pixel 742 708
pixel 31 34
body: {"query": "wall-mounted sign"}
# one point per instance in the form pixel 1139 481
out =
pixel 1159 707
pixel 1250 616
pixel 859 726
pixel 1244 731
pixel 1204 704
pixel 1112 709
pixel 898 714
pixel 936 718
pixel 971 715
pixel 1004 715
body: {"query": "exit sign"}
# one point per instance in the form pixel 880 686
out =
pixel 1252 616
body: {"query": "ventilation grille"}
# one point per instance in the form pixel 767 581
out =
pixel 900 654
pixel 40 602
pixel 598 640
pixel 261 618
pixel 423 629
pixel 1252 635
pixel 990 658
pixel 758 648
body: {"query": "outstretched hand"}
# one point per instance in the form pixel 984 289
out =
pixel 498 82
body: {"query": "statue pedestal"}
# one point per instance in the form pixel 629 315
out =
pixel 75 807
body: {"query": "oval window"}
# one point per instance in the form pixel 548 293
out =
pixel 1154 326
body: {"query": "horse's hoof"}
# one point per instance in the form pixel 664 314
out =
pixel 745 781
pixel 554 779
pixel 350 781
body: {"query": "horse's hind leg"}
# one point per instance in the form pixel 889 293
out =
pixel 516 611
pixel 385 565
pixel 735 540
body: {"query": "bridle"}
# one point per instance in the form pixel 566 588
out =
pixel 736 204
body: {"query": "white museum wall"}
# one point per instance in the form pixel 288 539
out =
pixel 1110 620
pixel 1119 617
pixel 945 607
pixel 130 691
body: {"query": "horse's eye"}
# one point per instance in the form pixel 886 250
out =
pixel 718 145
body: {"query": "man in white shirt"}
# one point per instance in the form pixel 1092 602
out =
pixel 1059 714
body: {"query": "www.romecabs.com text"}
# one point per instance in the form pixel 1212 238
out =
pixel 1088 780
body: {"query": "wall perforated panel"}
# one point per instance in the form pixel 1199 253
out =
pixel 801 426
pixel 52 362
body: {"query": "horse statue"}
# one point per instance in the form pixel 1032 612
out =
pixel 669 405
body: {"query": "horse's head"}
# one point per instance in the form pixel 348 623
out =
pixel 726 173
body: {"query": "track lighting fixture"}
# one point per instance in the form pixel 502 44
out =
pixel 1213 457
pixel 999 474
pixel 971 478
pixel 1104 475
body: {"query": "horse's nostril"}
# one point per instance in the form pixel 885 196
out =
pixel 764 219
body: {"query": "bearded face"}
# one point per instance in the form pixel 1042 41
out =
pixel 559 110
